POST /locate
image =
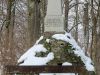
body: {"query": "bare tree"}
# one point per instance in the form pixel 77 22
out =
pixel 10 18
pixel 94 17
pixel 76 21
pixel 33 21
pixel 86 26
pixel 66 2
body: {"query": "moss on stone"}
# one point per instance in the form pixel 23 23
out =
pixel 63 52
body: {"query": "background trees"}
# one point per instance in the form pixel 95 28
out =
pixel 22 22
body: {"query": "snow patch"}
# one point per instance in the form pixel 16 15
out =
pixel 66 63
pixel 48 40
pixel 41 38
pixel 32 60
pixel 32 52
pixel 78 51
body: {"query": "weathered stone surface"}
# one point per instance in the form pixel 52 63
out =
pixel 63 52
pixel 54 21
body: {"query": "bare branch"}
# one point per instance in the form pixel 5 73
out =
pixel 74 4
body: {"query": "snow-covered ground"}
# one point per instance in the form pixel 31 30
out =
pixel 29 57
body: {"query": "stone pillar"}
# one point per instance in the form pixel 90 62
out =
pixel 54 20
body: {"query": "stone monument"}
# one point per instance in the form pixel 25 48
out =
pixel 54 20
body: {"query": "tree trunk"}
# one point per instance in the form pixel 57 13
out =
pixel 10 18
pixel 33 21
pixel 86 27
pixel 8 54
pixel 66 2
pixel 76 21
pixel 43 9
pixel 11 39
pixel 97 60
pixel 37 21
pixel 94 35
